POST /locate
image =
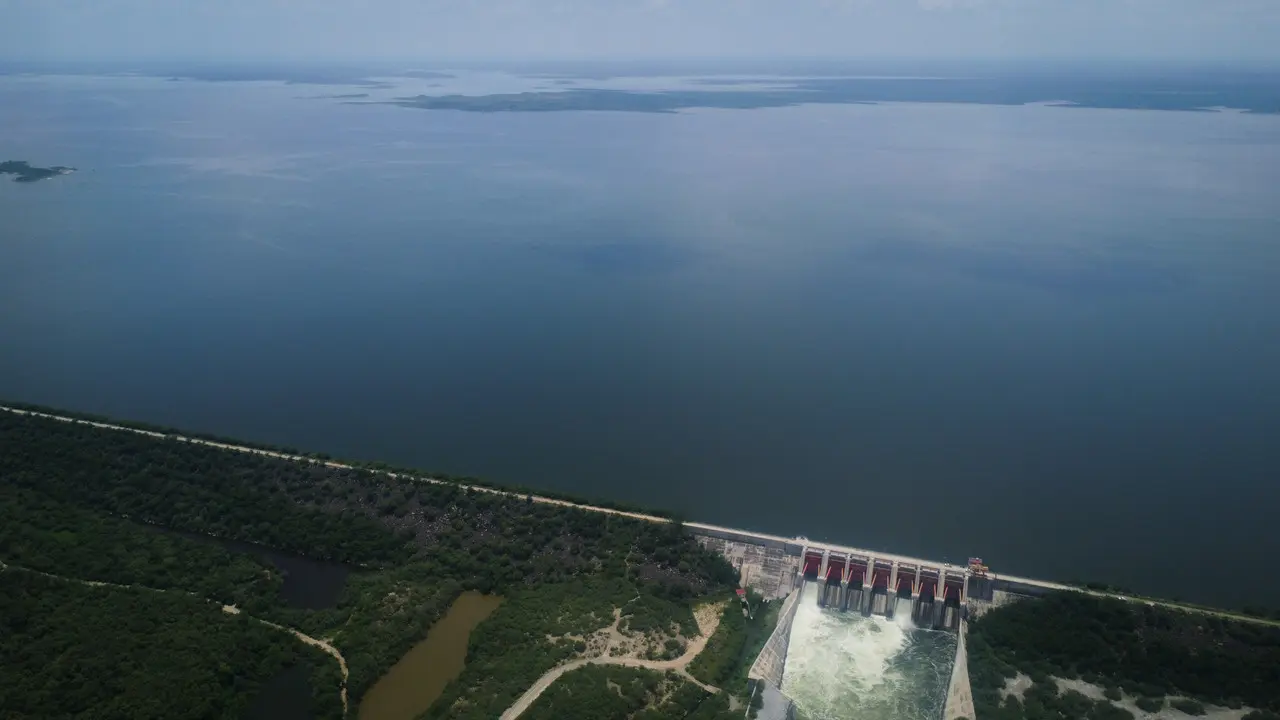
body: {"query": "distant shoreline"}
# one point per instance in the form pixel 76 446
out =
pixel 24 172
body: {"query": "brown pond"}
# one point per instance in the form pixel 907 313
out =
pixel 413 683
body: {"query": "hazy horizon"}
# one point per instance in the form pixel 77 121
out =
pixel 347 30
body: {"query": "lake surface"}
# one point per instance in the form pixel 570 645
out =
pixel 418 678
pixel 1048 336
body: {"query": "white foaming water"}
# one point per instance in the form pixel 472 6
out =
pixel 841 665
pixel 902 614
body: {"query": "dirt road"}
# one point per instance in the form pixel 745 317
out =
pixel 707 624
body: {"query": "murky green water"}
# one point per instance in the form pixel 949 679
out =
pixel 842 666
pixel 413 683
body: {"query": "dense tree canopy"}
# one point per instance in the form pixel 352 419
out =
pixel 728 656
pixel 1146 651
pixel 43 534
pixel 185 486
pixel 72 651
pixel 352 516
pixel 91 503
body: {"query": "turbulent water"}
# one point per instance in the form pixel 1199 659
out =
pixel 841 665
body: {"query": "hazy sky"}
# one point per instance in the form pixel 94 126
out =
pixel 615 28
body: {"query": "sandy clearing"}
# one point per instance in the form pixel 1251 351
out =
pixel 708 619
pixel 1129 702
pixel 1016 687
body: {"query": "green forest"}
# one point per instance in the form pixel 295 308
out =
pixel 95 504
pixel 1130 649
pixel 737 641
pixel 43 534
pixel 70 650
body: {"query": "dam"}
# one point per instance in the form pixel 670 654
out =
pixel 849 580
pixel 860 634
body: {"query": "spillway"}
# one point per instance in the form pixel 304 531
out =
pixel 842 665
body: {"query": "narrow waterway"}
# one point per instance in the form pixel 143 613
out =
pixel 841 665
pixel 413 683
pixel 308 583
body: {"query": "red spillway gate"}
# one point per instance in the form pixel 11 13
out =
pixel 857 573
pixel 953 588
pixel 835 569
pixel 906 581
pixel 880 576
pixel 812 563
pixel 928 587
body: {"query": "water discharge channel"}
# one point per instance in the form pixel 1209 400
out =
pixel 841 665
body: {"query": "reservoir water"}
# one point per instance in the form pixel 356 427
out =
pixel 1048 336
pixel 843 666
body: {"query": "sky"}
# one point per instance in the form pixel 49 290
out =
pixel 400 29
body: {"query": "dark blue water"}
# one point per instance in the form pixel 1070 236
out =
pixel 1048 336
pixel 287 696
pixel 305 583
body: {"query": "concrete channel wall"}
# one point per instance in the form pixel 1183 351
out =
pixel 772 660
pixel 959 694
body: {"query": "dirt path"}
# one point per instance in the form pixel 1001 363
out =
pixel 229 609
pixel 708 617
pixel 314 642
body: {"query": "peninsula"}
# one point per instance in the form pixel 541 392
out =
pixel 24 172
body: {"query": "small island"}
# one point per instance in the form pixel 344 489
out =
pixel 23 172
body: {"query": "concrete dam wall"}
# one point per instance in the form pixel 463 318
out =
pixel 766 567
pixel 772 660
